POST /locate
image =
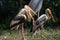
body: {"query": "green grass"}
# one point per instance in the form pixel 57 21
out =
pixel 16 35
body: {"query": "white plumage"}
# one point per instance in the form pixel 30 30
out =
pixel 41 20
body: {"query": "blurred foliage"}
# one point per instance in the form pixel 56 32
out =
pixel 9 8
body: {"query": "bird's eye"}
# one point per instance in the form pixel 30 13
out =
pixel 37 23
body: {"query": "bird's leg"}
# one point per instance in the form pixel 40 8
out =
pixel 42 28
pixel 34 30
pixel 22 32
pixel 41 31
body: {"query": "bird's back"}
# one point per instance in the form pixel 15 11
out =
pixel 42 19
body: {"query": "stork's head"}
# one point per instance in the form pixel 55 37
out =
pixel 30 9
pixel 49 14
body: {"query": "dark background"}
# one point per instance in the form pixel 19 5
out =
pixel 9 9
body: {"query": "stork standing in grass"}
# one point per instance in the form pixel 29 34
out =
pixel 42 19
pixel 21 17
pixel 26 13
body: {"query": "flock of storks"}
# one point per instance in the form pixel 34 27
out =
pixel 28 13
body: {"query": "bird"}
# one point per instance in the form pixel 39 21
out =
pixel 39 23
pixel 22 16
pixel 19 20
pixel 26 14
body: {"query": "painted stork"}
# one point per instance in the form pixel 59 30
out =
pixel 42 19
pixel 26 13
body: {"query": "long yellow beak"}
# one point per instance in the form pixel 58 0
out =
pixel 26 6
pixel 49 12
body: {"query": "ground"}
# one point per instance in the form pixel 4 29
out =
pixel 49 34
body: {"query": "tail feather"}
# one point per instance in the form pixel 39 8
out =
pixel 17 20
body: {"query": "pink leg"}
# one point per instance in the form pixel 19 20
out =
pixel 22 31
pixel 34 28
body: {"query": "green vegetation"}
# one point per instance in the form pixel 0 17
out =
pixel 16 35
